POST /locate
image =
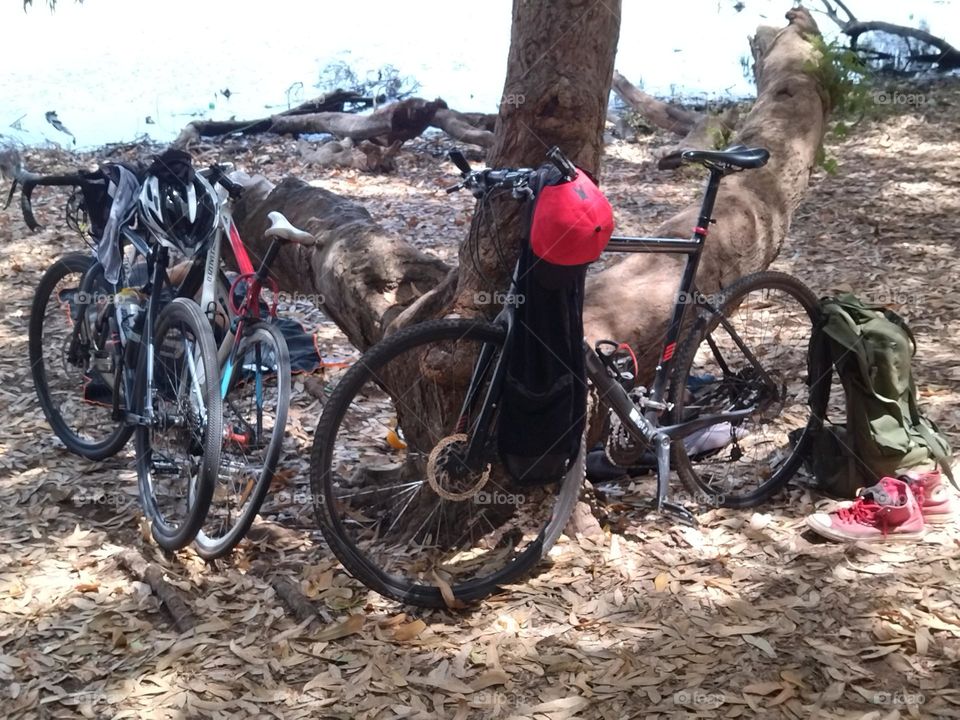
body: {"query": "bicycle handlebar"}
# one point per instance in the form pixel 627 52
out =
pixel 479 182
pixel 28 181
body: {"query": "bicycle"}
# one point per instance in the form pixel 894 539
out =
pixel 251 354
pixel 161 354
pixel 437 522
pixel 253 358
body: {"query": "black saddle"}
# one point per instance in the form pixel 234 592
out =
pixel 735 156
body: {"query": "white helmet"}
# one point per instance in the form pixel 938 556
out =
pixel 180 215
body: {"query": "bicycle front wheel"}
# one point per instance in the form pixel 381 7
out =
pixel 751 348
pixel 178 449
pixel 72 362
pixel 395 497
pixel 255 388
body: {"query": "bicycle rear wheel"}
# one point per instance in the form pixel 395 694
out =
pixel 72 363
pixel 178 452
pixel 255 402
pixel 771 316
pixel 394 498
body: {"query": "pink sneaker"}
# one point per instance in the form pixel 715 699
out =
pixel 937 503
pixel 887 511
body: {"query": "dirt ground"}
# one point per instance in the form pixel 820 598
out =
pixel 746 616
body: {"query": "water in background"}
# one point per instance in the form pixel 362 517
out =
pixel 116 69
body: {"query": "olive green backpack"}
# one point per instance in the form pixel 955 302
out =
pixel 885 433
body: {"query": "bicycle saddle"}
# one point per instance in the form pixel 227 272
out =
pixel 281 228
pixel 735 156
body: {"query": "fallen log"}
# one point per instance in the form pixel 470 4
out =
pixel 331 102
pixel 179 610
pixel 396 122
pixel 358 274
pixel 947 57
pixel 669 117
pixel 472 128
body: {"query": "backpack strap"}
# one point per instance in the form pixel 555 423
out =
pixel 930 434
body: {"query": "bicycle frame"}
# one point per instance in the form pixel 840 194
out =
pixel 644 426
pixel 250 306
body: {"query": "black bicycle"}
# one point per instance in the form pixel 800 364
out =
pixel 95 345
pixel 433 518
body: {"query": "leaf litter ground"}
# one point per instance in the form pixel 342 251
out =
pixel 747 616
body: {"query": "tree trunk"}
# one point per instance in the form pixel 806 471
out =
pixel 559 70
pixel 753 208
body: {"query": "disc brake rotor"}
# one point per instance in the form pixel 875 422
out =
pixel 438 474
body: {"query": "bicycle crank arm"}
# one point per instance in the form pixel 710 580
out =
pixel 691 426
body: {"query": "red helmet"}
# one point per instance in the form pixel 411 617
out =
pixel 572 222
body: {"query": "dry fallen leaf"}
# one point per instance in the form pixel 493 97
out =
pixel 409 630
pixel 353 624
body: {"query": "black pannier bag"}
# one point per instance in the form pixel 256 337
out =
pixel 543 406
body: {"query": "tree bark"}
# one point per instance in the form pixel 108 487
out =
pixel 631 300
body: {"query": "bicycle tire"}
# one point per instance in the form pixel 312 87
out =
pixel 212 546
pixel 356 562
pixel 815 366
pixel 117 432
pixel 199 490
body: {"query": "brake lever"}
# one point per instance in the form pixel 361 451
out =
pixel 454 188
pixel 457 158
pixel 25 206
pixel 13 189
